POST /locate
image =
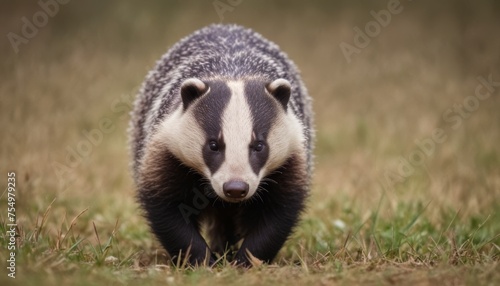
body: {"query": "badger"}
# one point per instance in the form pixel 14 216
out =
pixel 221 141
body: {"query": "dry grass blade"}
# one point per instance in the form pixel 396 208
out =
pixel 253 260
pixel 73 222
pixel 38 229
pixel 97 236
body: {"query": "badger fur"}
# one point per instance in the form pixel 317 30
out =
pixel 220 137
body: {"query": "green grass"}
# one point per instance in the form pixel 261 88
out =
pixel 80 224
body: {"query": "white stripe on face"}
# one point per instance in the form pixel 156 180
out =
pixel 285 138
pixel 237 128
pixel 183 137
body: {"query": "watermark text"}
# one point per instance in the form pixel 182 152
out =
pixel 11 224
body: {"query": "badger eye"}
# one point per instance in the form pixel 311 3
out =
pixel 213 146
pixel 259 146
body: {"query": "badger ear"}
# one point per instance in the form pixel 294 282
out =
pixel 191 89
pixel 280 89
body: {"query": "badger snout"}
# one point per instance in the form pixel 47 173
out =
pixel 235 189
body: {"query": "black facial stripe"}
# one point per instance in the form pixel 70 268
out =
pixel 208 112
pixel 264 112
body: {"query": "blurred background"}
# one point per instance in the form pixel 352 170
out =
pixel 383 75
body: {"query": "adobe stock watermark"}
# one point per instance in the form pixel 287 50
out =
pixel 223 6
pixel 426 147
pixel 362 38
pixel 30 27
pixel 92 138
pixel 200 201
pixel 11 224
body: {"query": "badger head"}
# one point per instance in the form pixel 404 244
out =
pixel 234 133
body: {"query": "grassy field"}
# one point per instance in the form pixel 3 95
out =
pixel 407 179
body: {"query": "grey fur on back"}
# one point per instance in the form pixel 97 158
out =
pixel 218 51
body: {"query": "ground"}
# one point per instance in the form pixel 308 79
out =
pixel 406 185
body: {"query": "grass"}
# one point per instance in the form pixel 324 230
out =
pixel 78 222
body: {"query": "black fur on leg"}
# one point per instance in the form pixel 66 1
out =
pixel 167 186
pixel 270 220
pixel 222 228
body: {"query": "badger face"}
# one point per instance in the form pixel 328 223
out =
pixel 234 133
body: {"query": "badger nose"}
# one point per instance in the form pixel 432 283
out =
pixel 235 189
